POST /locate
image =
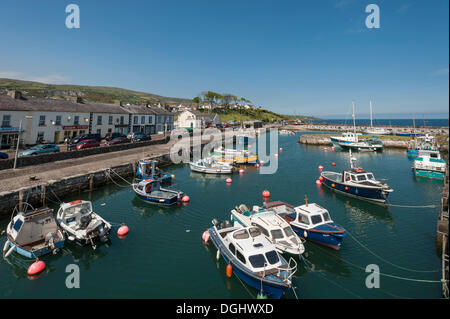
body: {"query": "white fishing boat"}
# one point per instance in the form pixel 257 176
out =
pixel 286 132
pixel 275 228
pixel 210 166
pixel 429 164
pixel 81 224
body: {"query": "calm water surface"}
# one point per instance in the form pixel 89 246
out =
pixel 163 255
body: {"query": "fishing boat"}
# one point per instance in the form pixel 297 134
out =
pixel 311 221
pixel 429 164
pixel 150 190
pixel 33 233
pixel 210 166
pixel 375 130
pixel 422 143
pixel 275 228
pixel 239 157
pixel 147 169
pixel 81 224
pixel 356 182
pixel 253 258
pixel 286 132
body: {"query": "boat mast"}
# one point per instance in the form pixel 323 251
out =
pixel 370 104
pixel 354 121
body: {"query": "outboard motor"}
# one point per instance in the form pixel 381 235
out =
pixel 102 233
pixel 50 242
pixel 84 221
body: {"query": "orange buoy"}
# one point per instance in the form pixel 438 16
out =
pixel 241 171
pixel 36 267
pixel 320 168
pixel 229 270
pixel 205 236
pixel 334 164
pixel 332 185
pixel 229 180
pixel 266 193
pixel 318 182
pixel 185 199
pixel 122 231
pixel 281 149
pixel 321 178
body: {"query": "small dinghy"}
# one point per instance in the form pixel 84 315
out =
pixel 151 191
pixel 253 258
pixel 81 224
pixel 274 227
pixel 358 183
pixel 209 166
pixel 311 222
pixel 33 233
pixel 147 169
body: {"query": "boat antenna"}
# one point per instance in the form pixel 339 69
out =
pixel 306 200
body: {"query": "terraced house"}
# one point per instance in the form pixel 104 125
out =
pixel 53 121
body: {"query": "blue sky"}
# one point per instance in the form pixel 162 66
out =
pixel 293 57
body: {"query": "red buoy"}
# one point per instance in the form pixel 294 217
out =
pixel 332 148
pixel 325 149
pixel 229 270
pixel 266 193
pixel 318 182
pixel 281 149
pixel 185 199
pixel 229 180
pixel 205 236
pixel 123 231
pixel 346 188
pixel 241 171
pixel 321 178
pixel 334 164
pixel 36 267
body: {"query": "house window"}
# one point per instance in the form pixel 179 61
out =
pixel 6 121
pixel 135 120
pixel 99 120
pixel 142 119
pixel 150 120
pixel 40 136
pixel 110 120
pixel 42 120
pixel 122 120
pixel 76 120
pixel 58 120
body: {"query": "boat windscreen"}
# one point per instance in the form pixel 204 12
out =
pixel 257 261
pixel 254 232
pixel 288 231
pixel 276 234
pixel 315 219
pixel 241 234
pixel 361 177
pixel 272 257
pixel 17 225
pixel 326 216
pixel 370 176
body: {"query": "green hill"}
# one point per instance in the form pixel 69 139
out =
pixel 101 94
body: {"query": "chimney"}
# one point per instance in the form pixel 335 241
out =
pixel 117 102
pixel 15 94
pixel 76 99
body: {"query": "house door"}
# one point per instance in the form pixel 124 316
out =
pixel 56 140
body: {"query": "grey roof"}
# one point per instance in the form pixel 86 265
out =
pixel 203 115
pixel 8 103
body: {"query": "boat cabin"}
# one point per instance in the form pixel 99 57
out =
pixel 357 175
pixel 146 167
pixel 309 215
pixel 75 213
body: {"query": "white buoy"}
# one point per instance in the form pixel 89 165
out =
pixel 10 251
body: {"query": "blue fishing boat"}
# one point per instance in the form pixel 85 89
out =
pixel 253 258
pixel 356 182
pixel 147 169
pixel 33 233
pixel 423 143
pixel 150 190
pixel 311 222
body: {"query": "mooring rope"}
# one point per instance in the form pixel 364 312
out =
pixel 387 261
pixel 412 206
pixel 108 174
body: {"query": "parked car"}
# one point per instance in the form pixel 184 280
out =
pixel 40 149
pixel 85 137
pixel 88 144
pixel 111 136
pixel 118 140
pixel 3 155
pixel 139 137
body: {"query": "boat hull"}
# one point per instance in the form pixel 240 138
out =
pixel 347 146
pixel 429 174
pixel 159 201
pixel 329 239
pixel 371 194
pixel 210 170
pixel 273 290
pixel 36 253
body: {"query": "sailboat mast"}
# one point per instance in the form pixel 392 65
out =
pixel 370 104
pixel 353 115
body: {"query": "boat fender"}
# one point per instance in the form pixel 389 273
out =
pixel 305 234
pixel 5 247
pixel 229 270
pixel 281 149
pixel 332 185
pixel 205 236
pixel 10 251
pixel 346 188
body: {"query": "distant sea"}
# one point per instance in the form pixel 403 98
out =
pixel 387 122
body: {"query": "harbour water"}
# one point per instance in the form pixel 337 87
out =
pixel 163 255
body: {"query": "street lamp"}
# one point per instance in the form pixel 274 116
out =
pixel 18 138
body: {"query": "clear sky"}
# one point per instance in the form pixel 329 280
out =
pixel 293 57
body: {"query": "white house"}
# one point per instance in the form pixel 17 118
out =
pixel 195 119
